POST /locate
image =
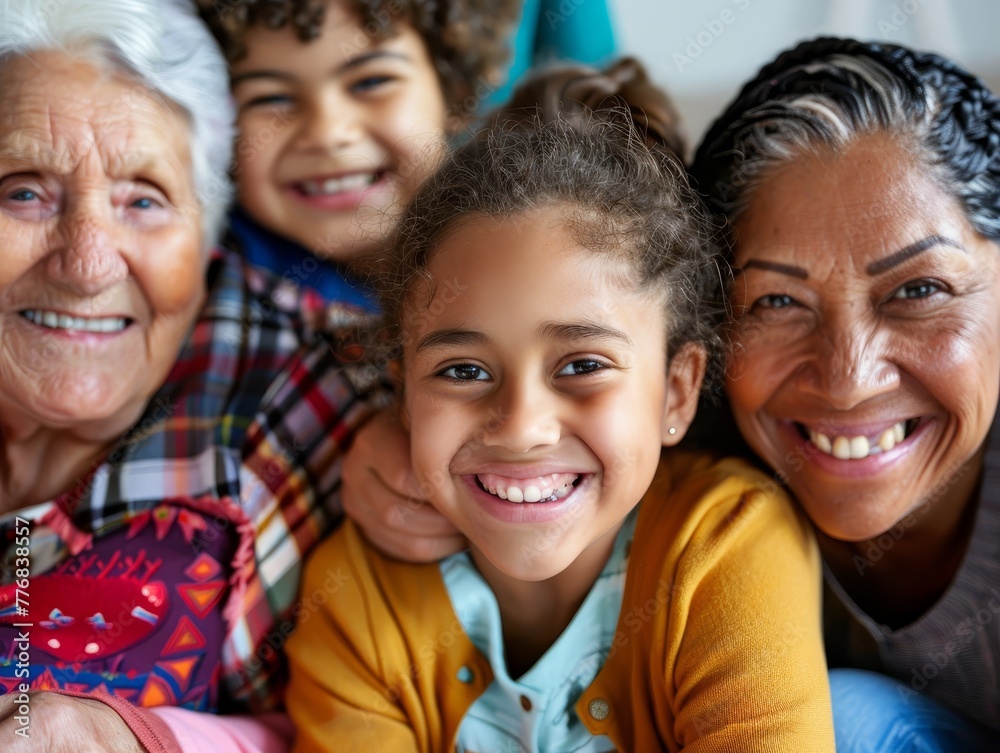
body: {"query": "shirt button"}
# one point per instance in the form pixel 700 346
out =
pixel 465 675
pixel 599 709
pixel 525 703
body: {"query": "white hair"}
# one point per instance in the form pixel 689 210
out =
pixel 166 48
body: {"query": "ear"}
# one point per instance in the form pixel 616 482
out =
pixel 684 377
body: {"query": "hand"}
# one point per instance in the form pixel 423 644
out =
pixel 59 722
pixel 381 495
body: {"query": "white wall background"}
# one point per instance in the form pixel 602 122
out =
pixel 702 51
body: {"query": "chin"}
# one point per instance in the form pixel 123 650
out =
pixel 851 520
pixel 82 399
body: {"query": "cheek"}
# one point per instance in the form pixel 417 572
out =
pixel 259 140
pixel 433 429
pixel 21 251
pixel 623 431
pixel 172 273
pixel 751 375
pixel 416 135
pixel 960 365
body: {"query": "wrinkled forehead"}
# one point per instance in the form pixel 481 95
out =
pixel 58 109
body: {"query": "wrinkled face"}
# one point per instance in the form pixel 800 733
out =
pixel 336 134
pixel 868 347
pixel 101 268
pixel 535 391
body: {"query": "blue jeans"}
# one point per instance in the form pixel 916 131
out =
pixel 871 715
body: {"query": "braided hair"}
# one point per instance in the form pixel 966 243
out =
pixel 826 92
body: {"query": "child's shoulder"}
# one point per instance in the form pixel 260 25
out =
pixel 703 495
pixel 355 580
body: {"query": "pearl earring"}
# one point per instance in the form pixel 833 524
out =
pixel 671 431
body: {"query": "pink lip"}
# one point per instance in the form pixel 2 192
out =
pixel 525 512
pixel 854 430
pixel 870 466
pixel 511 470
pixel 79 337
pixel 339 202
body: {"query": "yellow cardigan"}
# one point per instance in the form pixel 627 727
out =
pixel 718 645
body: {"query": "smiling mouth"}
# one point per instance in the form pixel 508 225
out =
pixel 844 447
pixel 55 320
pixel 335 186
pixel 549 488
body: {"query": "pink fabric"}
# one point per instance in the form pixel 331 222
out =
pixel 198 732
pixel 154 734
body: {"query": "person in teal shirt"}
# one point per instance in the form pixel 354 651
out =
pixel 558 30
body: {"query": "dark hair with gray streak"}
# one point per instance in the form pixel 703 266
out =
pixel 591 146
pixel 825 93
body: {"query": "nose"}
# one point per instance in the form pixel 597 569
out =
pixel 852 364
pixel 87 258
pixel 524 418
pixel 331 122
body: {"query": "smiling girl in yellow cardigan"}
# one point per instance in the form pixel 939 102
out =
pixel 554 295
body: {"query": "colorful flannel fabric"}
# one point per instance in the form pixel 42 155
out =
pixel 244 440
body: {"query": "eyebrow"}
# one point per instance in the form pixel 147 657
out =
pixel 772 266
pixel 572 331
pixel 446 337
pixel 355 62
pixel 575 331
pixel 894 260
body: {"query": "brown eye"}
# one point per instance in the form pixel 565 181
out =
pixel 465 372
pixel 917 289
pixel 576 368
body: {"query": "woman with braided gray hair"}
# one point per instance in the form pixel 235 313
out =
pixel 861 189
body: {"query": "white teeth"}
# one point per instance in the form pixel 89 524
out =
pixel 859 447
pixel 542 489
pixel 52 320
pixel 888 439
pixel 822 441
pixel 338 185
pixel 842 448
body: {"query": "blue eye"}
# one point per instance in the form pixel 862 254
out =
pixel 777 301
pixel 465 372
pixel 917 289
pixel 24 195
pixel 144 203
pixel 578 368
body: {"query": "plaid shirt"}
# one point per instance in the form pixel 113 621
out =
pixel 249 427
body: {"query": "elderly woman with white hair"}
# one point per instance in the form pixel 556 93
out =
pixel 168 423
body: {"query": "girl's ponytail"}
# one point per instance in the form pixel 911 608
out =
pixel 576 93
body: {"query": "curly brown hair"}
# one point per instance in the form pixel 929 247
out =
pixel 468 40
pixel 602 146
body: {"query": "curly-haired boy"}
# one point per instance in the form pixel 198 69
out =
pixel 343 109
